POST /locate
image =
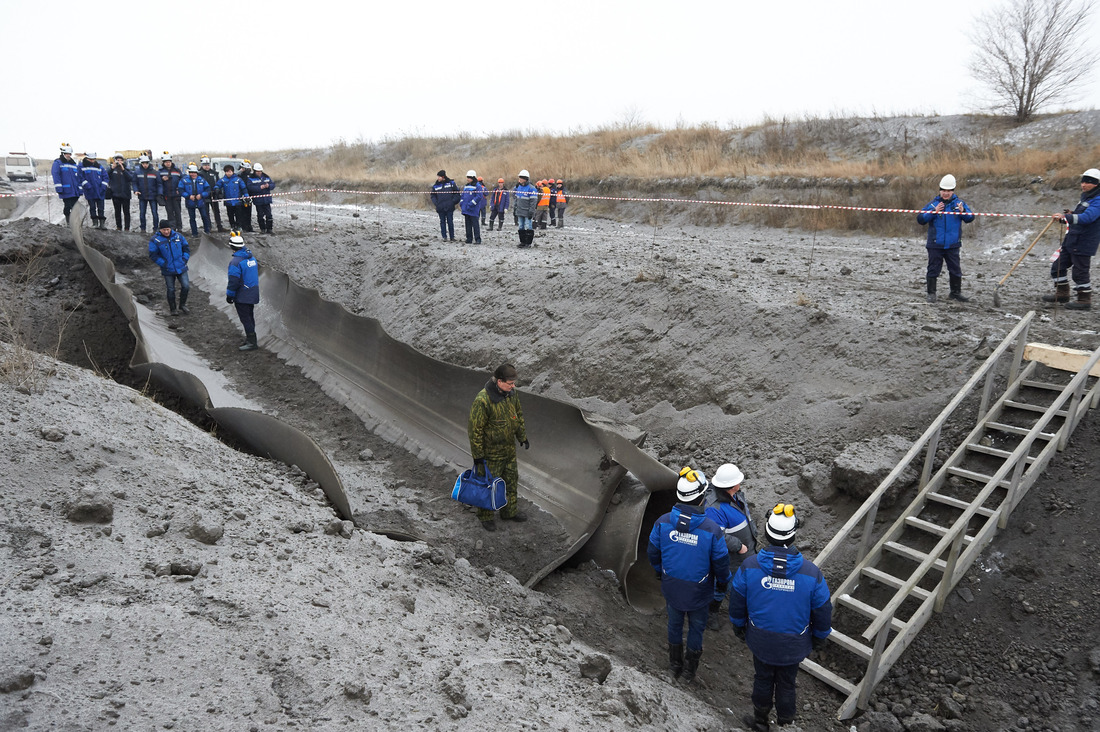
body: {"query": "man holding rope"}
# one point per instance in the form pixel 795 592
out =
pixel 944 217
pixel 1078 246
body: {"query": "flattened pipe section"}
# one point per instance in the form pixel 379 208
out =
pixel 155 357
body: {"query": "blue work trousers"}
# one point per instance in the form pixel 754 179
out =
pixel 697 623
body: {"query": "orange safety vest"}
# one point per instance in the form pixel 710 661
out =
pixel 561 195
pixel 544 198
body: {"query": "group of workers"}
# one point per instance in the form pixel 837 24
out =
pixel 946 213
pixel 167 186
pixel 533 206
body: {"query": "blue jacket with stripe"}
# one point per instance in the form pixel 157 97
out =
pixel 782 601
pixel 196 186
pixel 687 549
pixel 1084 225
pixel 146 182
pixel 234 190
pixel 170 253
pixel 945 229
pixel 68 181
pixel 244 278
pixel 95 181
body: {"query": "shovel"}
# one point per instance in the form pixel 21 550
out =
pixel 997 289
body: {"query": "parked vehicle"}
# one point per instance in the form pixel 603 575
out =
pixel 21 166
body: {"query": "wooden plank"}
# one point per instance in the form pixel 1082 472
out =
pixel 813 668
pixel 1037 408
pixel 977 477
pixel 850 644
pixel 930 527
pixel 891 581
pixel 1002 454
pixel 911 553
pixel 959 504
pixel 1043 385
pixel 1011 429
pixel 868 611
pixel 1057 357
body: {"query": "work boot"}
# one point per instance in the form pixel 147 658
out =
pixel 1084 301
pixel 183 302
pixel 956 290
pixel 489 525
pixel 759 719
pixel 931 289
pixel 172 305
pixel 691 665
pixel 1061 293
pixel 782 722
pixel 519 516
pixel 561 223
pixel 522 238
pixel 249 343
pixel 676 659
pixel 221 229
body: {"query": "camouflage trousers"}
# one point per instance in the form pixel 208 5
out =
pixel 508 469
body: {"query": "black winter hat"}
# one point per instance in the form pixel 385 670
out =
pixel 442 174
pixel 505 372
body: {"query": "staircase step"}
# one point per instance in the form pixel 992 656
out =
pixel 931 528
pixel 910 553
pixel 1032 407
pixel 1043 385
pixel 868 611
pixel 851 644
pixel 1013 430
pixel 813 668
pixel 891 581
pixel 976 477
pixel 1002 454
pixel 957 503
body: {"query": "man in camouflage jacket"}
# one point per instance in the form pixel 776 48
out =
pixel 496 425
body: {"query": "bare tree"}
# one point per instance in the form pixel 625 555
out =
pixel 1032 53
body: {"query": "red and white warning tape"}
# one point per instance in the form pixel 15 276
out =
pixel 22 193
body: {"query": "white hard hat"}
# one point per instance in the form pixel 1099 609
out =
pixel 165 156
pixel 258 168
pixel 143 158
pixel 727 476
pixel 782 523
pixel 523 174
pixel 691 486
pixel 1091 173
pixel 192 168
pixel 947 182
pixel 204 160
pixel 236 240
pixel 90 155
pixel 66 148
pixel 471 174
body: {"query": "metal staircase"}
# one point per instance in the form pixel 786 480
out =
pixel 902 574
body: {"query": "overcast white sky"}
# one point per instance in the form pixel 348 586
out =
pixel 247 75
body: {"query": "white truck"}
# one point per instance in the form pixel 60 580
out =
pixel 21 166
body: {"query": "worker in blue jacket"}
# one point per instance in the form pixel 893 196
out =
pixel 689 554
pixel 94 188
pixel 944 216
pixel 243 289
pixel 68 181
pixel 525 201
pixel 234 192
pixel 445 196
pixel 726 506
pixel 147 187
pixel 1078 246
pixel 473 201
pixel 170 198
pixel 498 204
pixel 260 188
pixel 170 251
pixel 196 191
pixel 779 605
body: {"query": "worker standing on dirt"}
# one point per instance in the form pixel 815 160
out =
pixel 473 201
pixel 243 289
pixel 445 196
pixel 234 191
pixel 498 204
pixel 543 208
pixel 68 181
pixel 726 506
pixel 120 183
pixel 560 199
pixel 527 197
pixel 779 605
pixel 944 216
pixel 196 191
pixel 1078 246
pixel 687 551
pixel 210 175
pixel 495 427
pixel 147 186
pixel 244 213
pixel 170 197
pixel 485 198
pixel 170 251
pixel 95 189
pixel 260 188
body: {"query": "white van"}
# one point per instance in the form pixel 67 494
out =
pixel 21 166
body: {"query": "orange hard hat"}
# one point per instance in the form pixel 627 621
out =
pixel 480 178
pixel 559 180
pixel 500 180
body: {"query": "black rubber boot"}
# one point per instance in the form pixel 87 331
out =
pixel 172 306
pixel 931 290
pixel 676 659
pixel 691 665
pixel 956 290
pixel 784 722
pixel 249 343
pixel 489 525
pixel 758 721
pixel 1061 293
pixel 183 302
pixel 1084 301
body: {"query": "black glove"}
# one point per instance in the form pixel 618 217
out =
pixel 739 632
pixel 817 643
pixel 480 466
pixel 230 299
pixel 526 444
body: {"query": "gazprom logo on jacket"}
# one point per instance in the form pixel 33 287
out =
pixel 781 584
pixel 683 538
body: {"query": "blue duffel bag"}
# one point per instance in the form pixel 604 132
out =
pixel 483 491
